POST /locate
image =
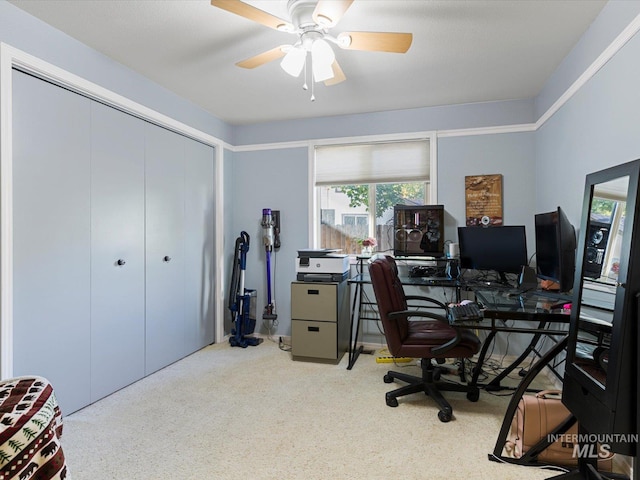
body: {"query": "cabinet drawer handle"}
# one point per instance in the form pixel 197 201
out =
pixel 313 329
pixel 120 262
pixel 167 258
pixel 313 292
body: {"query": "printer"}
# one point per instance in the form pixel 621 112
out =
pixel 323 265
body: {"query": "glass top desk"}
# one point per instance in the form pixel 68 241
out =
pixel 537 313
pixel 500 305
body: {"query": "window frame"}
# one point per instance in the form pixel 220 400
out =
pixel 314 193
pixel 615 236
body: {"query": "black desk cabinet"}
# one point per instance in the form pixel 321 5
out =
pixel 319 321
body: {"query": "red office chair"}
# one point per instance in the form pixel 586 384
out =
pixel 431 337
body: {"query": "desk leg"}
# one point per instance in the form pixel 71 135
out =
pixel 494 384
pixel 483 353
pixel 354 350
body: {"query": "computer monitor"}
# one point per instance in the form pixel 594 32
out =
pixel 500 248
pixel 555 249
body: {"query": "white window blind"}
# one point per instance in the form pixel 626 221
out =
pixel 373 163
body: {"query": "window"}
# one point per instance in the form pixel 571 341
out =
pixel 357 221
pixel 328 216
pixel 610 211
pixel 361 183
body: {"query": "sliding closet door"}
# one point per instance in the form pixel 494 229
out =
pixel 117 250
pixel 165 223
pixel 199 276
pixel 51 237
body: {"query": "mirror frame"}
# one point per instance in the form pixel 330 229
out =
pixel 609 409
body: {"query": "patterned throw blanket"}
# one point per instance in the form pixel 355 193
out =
pixel 30 430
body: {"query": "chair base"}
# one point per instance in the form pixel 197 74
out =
pixel 428 384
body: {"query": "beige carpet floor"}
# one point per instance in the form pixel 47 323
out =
pixel 232 413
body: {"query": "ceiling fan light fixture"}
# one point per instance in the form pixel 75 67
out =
pixel 322 57
pixel 322 72
pixel 310 21
pixel 294 61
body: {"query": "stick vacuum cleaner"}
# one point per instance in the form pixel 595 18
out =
pixel 271 238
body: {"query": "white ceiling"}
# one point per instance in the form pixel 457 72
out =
pixel 463 51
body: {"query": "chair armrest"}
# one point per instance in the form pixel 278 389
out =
pixel 427 299
pixel 419 313
pixel 449 345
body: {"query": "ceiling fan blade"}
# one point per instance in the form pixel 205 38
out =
pixel 252 13
pixel 338 75
pixel 329 12
pixel 376 41
pixel 262 58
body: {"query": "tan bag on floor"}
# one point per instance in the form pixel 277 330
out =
pixel 538 415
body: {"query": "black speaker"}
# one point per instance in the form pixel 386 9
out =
pixel 597 239
pixel 453 269
pixel 527 280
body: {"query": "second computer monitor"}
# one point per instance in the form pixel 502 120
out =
pixel 555 248
pixel 501 249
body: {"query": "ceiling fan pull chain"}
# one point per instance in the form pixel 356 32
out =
pixel 305 86
pixel 313 97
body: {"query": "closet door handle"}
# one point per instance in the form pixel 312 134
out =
pixel 120 262
pixel 166 259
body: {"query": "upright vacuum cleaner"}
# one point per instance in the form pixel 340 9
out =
pixel 240 298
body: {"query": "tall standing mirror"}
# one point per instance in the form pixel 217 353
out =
pixel 601 371
pixel 600 278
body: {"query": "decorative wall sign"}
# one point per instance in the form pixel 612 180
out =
pixel 483 195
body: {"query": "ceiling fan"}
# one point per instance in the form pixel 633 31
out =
pixel 310 21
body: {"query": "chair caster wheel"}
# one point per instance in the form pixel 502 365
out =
pixel 444 416
pixel 388 378
pixel 473 395
pixel 392 401
pixel 436 374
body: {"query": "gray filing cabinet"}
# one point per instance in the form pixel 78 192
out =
pixel 319 321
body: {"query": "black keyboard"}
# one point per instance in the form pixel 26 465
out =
pixel 466 312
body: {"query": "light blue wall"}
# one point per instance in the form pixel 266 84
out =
pixel 229 238
pixel 511 155
pixel 597 128
pixel 471 115
pixel 614 17
pixel 275 179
